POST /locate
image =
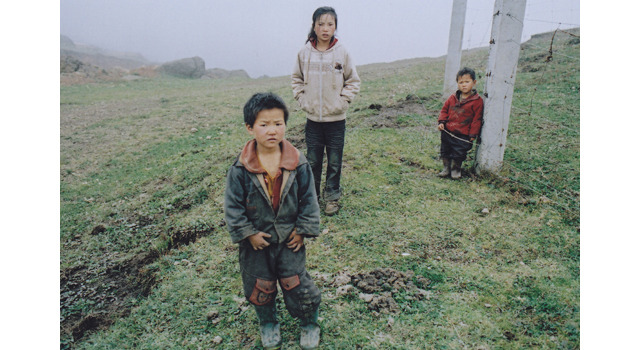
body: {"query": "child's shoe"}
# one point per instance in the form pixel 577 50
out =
pixel 446 170
pixel 331 208
pixel 456 171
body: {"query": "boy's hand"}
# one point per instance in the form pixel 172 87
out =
pixel 441 127
pixel 258 241
pixel 295 241
pixel 471 139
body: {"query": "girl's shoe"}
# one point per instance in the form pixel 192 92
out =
pixel 331 208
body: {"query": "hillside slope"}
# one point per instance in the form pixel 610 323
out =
pixel 412 261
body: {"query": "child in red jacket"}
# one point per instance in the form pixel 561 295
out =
pixel 459 123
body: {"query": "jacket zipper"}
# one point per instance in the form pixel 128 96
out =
pixel 321 87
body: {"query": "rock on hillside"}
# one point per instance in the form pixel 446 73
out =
pixel 185 68
pixel 69 64
pixel 219 73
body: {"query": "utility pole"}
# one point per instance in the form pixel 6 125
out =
pixel 454 53
pixel 504 49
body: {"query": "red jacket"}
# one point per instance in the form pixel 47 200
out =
pixel 462 117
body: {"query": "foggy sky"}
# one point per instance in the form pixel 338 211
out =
pixel 263 37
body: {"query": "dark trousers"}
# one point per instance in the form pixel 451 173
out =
pixel 455 148
pixel 263 269
pixel 330 137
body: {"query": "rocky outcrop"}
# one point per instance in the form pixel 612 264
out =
pixel 184 68
pixel 69 64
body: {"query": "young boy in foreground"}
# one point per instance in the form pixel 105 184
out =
pixel 270 207
pixel 459 123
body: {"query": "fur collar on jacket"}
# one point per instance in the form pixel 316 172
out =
pixel 249 157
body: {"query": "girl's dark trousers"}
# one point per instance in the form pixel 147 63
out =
pixel 330 137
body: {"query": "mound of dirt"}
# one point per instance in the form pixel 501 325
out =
pixel 380 287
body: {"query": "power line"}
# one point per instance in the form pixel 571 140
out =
pixel 526 19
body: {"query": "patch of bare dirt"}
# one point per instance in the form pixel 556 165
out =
pixel 295 135
pixel 388 116
pixel 110 290
pixel 111 287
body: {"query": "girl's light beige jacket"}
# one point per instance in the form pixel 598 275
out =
pixel 325 82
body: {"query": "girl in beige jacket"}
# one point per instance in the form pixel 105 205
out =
pixel 324 83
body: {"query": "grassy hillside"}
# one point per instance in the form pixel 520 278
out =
pixel 412 261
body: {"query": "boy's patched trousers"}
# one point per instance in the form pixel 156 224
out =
pixel 263 269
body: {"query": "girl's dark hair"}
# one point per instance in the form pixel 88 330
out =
pixel 262 101
pixel 316 14
pixel 466 70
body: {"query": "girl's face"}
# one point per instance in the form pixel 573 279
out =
pixel 324 28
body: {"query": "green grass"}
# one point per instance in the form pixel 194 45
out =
pixel 504 279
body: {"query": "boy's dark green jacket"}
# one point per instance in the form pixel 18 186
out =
pixel 248 209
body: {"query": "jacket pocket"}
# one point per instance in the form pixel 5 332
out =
pixel 263 292
pixel 288 283
pixel 335 106
pixel 255 205
pixel 307 104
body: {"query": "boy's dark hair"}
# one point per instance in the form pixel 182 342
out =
pixel 316 14
pixel 464 71
pixel 261 101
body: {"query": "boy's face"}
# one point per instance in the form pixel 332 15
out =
pixel 269 128
pixel 466 84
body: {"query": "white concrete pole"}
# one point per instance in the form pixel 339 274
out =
pixel 454 53
pixel 504 49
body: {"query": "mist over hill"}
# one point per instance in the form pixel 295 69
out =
pixel 81 63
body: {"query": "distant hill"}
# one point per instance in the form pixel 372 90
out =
pixel 81 63
pixel 99 57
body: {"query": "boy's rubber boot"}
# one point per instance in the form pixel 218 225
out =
pixel 456 171
pixel 310 332
pixel 446 170
pixel 269 326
